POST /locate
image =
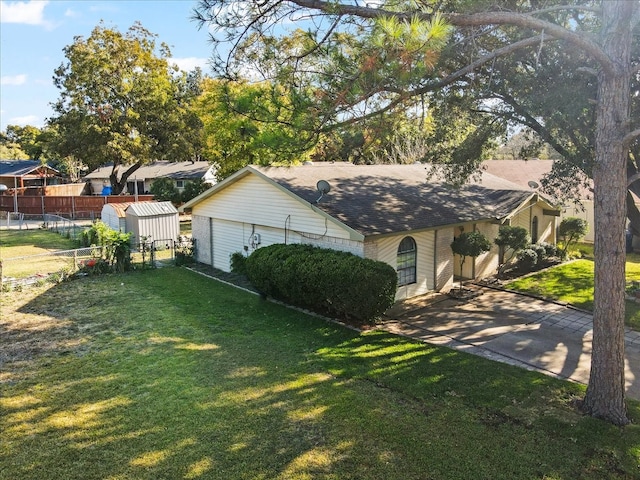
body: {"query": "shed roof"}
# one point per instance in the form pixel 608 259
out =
pixel 21 168
pixel 383 199
pixel 118 208
pixel 151 209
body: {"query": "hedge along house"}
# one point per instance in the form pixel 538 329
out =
pixel 389 213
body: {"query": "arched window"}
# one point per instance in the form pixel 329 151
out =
pixel 407 255
pixel 534 230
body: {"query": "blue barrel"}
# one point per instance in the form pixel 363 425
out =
pixel 106 190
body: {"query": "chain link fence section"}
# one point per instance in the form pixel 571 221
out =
pixel 33 269
pixel 158 253
pixel 56 223
pixel 42 267
pixel 63 226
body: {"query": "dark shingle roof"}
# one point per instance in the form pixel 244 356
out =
pixel 20 168
pixel 160 169
pixel 380 199
pixel 522 172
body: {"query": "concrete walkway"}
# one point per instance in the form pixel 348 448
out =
pixel 512 328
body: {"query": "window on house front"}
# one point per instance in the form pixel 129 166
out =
pixel 407 255
pixel 180 183
pixel 534 230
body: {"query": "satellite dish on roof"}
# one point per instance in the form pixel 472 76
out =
pixel 533 184
pixel 323 187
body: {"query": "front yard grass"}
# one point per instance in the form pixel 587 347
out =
pixel 573 283
pixel 169 374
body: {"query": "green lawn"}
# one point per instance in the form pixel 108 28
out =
pixel 19 243
pixel 169 374
pixel 573 283
pixel 22 243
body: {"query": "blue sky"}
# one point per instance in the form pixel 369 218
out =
pixel 34 33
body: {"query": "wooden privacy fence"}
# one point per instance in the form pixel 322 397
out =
pixel 84 206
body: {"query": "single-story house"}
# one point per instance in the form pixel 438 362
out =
pixel 27 173
pixel 391 213
pixel 529 174
pixel 141 180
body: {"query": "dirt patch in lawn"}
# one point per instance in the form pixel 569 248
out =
pixel 33 325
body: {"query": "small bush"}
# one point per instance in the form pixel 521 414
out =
pixel 326 281
pixel 527 259
pixel 185 251
pixel 117 251
pixel 541 252
pixel 550 250
pixel 239 263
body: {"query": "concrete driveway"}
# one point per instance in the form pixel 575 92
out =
pixel 512 328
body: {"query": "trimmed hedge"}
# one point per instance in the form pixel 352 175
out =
pixel 325 281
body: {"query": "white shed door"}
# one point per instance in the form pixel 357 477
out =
pixel 227 239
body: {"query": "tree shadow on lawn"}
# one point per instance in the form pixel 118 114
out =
pixel 140 380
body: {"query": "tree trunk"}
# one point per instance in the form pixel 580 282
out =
pixel 605 396
pixel 118 184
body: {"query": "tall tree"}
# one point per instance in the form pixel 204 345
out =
pixel 250 123
pixel 122 103
pixel 362 60
pixel 29 138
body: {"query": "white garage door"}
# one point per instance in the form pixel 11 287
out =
pixel 227 239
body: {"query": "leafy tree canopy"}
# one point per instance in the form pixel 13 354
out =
pixel 250 123
pixel 121 103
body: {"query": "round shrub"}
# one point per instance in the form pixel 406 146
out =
pixel 541 252
pixel 527 259
pixel 550 249
pixel 326 281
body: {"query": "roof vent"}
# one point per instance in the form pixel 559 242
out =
pixel 323 187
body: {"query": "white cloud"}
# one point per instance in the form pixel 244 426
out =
pixel 28 13
pixel 71 13
pixel 189 63
pixel 13 79
pixel 26 120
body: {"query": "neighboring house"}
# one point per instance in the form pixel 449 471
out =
pixel 523 172
pixel 141 180
pixel 153 221
pixel 389 213
pixel 27 173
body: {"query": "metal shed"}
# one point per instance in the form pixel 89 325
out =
pixel 113 214
pixel 157 221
